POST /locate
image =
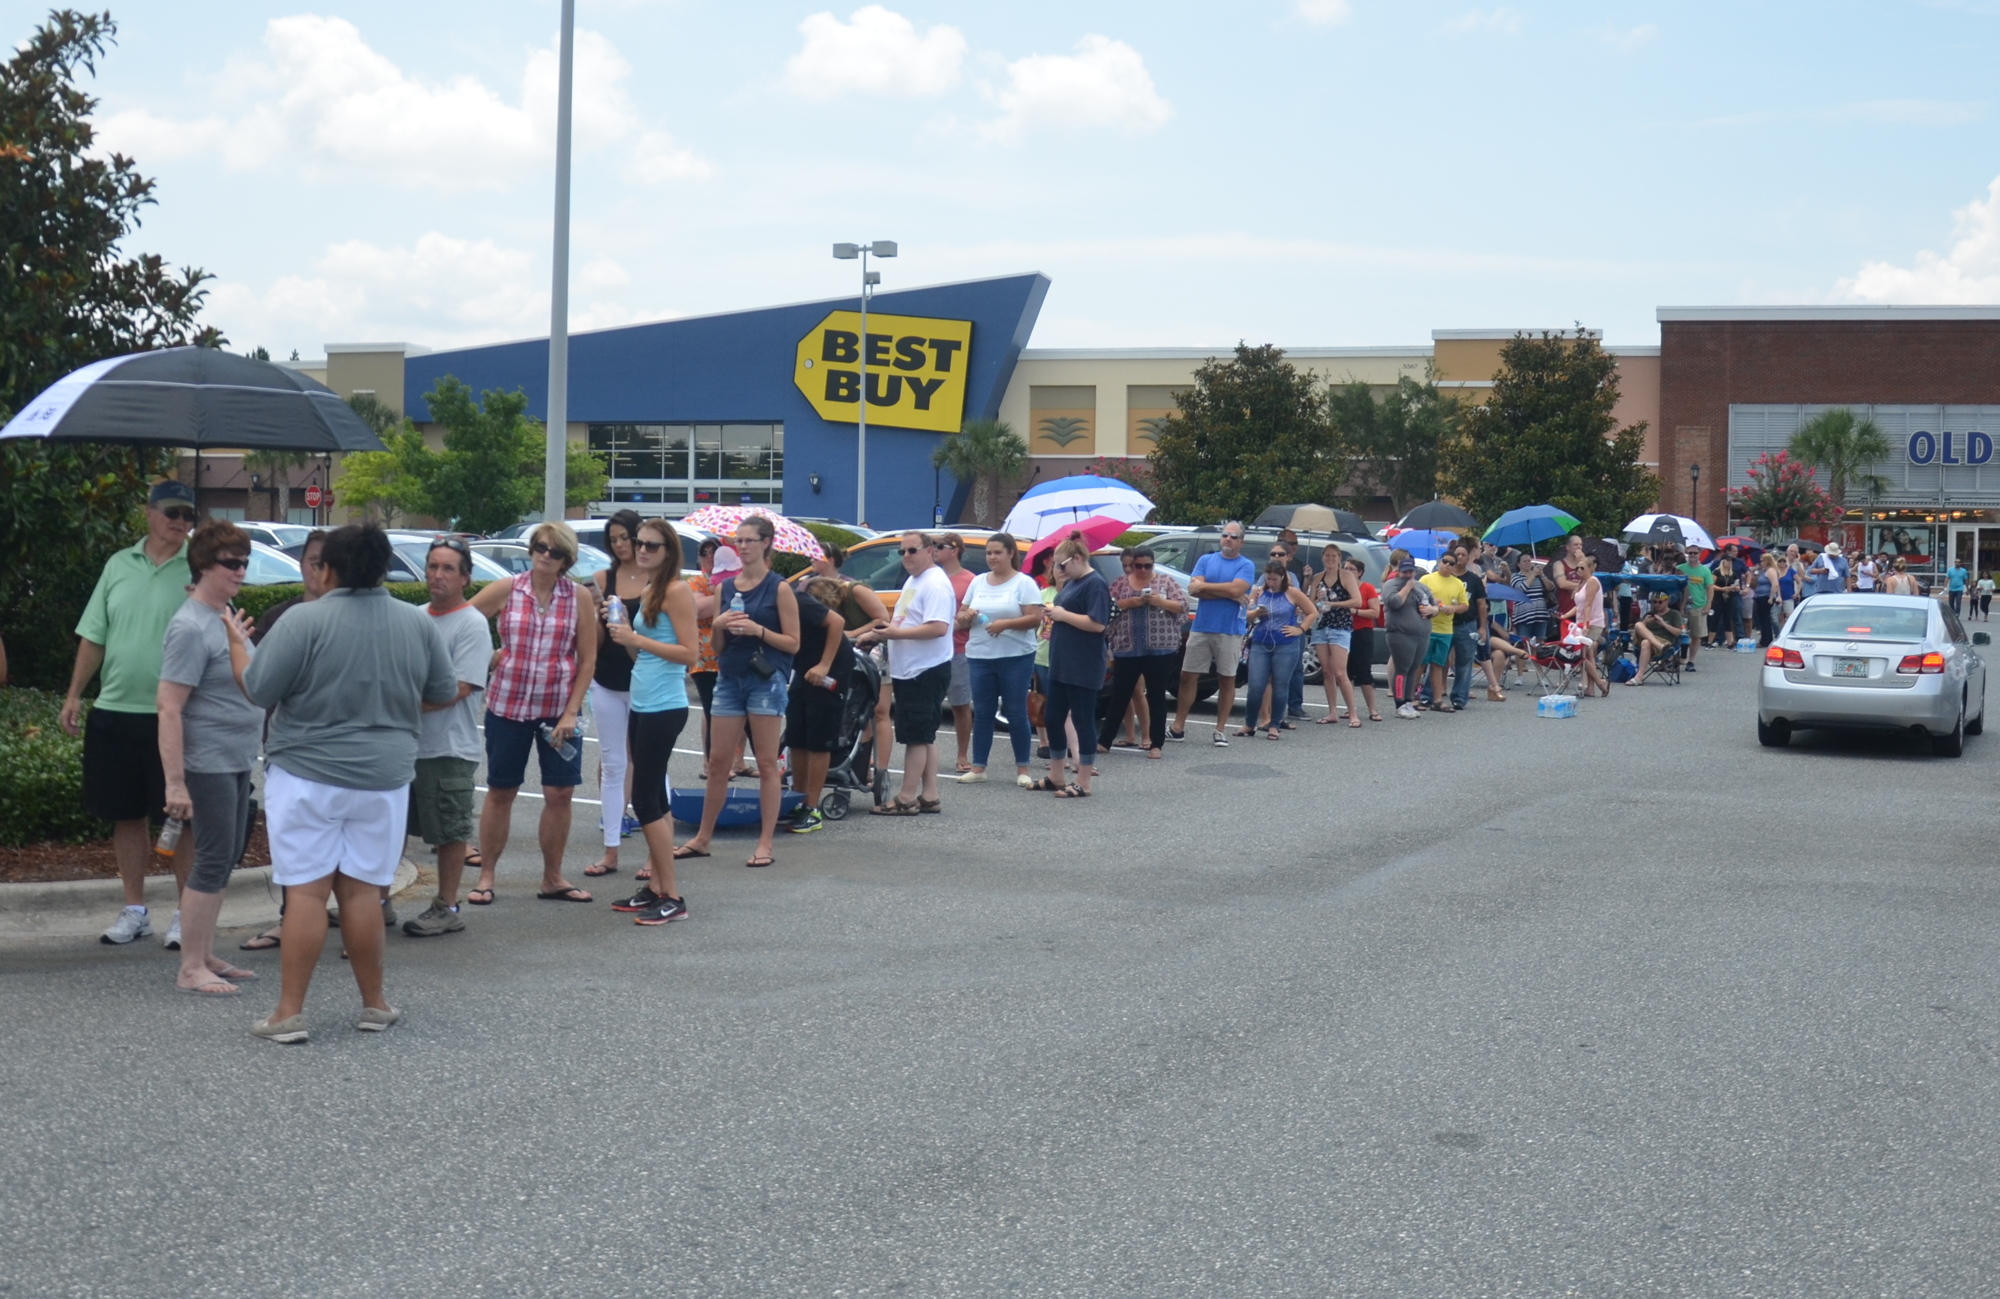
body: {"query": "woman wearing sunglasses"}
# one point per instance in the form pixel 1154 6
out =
pixel 209 736
pixel 1077 619
pixel 756 633
pixel 548 650
pixel 611 683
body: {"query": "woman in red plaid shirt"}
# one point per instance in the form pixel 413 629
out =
pixel 548 651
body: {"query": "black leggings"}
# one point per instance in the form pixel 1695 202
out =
pixel 705 683
pixel 1407 653
pixel 1065 702
pixel 1158 671
pixel 652 736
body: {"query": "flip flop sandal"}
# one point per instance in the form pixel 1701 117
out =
pixel 1331 720
pixel 761 860
pixel 258 943
pixel 1153 754
pixel 1273 735
pixel 235 974
pixel 1354 722
pixel 685 851
pixel 567 893
pixel 473 859
pixel 1244 733
pixel 642 874
pixel 896 807
pixel 1374 717
pixel 1044 786
pixel 472 896
pixel 217 988
pixel 598 869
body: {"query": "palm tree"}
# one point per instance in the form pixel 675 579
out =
pixel 983 453
pixel 1843 448
pixel 278 466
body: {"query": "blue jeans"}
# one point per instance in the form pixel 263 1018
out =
pixel 1464 650
pixel 1273 666
pixel 1295 692
pixel 1002 681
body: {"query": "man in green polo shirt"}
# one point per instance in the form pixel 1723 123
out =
pixel 1701 581
pixel 122 630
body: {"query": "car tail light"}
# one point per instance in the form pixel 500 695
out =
pixel 1926 664
pixel 1777 657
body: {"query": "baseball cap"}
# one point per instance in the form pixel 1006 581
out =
pixel 170 490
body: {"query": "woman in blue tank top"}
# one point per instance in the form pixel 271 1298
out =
pixel 661 642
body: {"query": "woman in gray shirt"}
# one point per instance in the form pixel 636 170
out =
pixel 1406 609
pixel 209 731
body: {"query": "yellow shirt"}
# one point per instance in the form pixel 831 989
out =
pixel 1444 589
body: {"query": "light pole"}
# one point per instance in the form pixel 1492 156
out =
pixel 555 476
pixel 869 279
pixel 1694 492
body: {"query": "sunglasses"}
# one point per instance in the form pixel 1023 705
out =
pixel 1232 536
pixel 179 514
pixel 649 546
pixel 452 543
pixel 544 548
pixel 234 565
pixel 1142 568
pixel 914 550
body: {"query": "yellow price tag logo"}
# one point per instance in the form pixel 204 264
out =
pixel 916 370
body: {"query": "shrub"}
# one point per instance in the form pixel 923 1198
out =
pixel 829 535
pixel 42 797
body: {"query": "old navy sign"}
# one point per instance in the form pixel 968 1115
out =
pixel 1950 448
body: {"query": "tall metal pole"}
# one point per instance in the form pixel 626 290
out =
pixel 555 479
pixel 861 439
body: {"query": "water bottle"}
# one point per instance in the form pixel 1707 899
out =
pixel 569 749
pixel 980 618
pixel 736 603
pixel 614 612
pixel 170 836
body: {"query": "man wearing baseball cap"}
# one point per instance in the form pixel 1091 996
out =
pixel 121 633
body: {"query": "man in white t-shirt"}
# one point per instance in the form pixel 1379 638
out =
pixel 449 746
pixel 919 640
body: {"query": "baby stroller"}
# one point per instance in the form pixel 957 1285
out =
pixel 853 765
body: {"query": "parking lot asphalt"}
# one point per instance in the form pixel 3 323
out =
pixel 1473 1005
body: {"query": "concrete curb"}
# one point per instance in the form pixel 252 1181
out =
pixel 76 909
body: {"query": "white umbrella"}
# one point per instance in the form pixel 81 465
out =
pixel 1047 506
pixel 1657 528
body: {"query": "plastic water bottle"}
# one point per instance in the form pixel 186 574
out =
pixel 569 749
pixel 614 612
pixel 170 836
pixel 736 603
pixel 980 618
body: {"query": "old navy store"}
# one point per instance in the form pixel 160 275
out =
pixel 1941 504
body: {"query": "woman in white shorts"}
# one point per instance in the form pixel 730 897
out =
pixel 348 676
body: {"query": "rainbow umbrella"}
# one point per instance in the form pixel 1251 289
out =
pixel 723 520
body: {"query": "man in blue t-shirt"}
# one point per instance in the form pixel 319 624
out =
pixel 1955 579
pixel 1221 582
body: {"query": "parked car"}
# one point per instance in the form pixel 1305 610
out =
pixel 1881 662
pixel 515 557
pixel 275 535
pixel 270 566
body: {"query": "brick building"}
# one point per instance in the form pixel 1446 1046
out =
pixel 1736 382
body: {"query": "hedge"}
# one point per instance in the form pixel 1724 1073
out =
pixel 42 796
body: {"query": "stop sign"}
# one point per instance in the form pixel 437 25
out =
pixel 312 497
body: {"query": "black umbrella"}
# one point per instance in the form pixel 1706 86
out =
pixel 1437 515
pixel 1312 518
pixel 193 397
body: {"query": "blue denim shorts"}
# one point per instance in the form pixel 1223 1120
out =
pixel 737 693
pixel 1341 636
pixel 508 743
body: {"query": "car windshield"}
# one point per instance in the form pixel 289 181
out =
pixel 1860 622
pixel 270 567
pixel 879 568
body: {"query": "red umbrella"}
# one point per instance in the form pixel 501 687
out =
pixel 1745 547
pixel 1098 530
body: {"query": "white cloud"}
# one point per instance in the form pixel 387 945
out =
pixel 1504 21
pixel 876 52
pixel 1325 13
pixel 1632 39
pixel 1969 273
pixel 1104 84
pixel 316 95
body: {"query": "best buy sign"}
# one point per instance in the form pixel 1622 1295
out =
pixel 916 370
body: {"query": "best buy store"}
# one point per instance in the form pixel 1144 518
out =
pixel 761 406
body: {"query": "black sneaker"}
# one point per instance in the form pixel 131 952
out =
pixel 1221 740
pixel 805 821
pixel 668 911
pixel 1690 668
pixel 644 900
pixel 1176 737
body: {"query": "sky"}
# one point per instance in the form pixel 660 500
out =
pixel 1299 172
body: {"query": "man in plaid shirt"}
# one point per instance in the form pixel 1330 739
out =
pixel 1148 623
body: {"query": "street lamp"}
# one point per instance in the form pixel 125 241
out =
pixel 869 279
pixel 1694 492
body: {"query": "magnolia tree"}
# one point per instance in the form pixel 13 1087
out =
pixel 1783 496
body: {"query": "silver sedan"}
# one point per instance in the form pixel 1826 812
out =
pixel 1880 662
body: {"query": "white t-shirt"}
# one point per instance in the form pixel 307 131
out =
pixel 927 597
pixel 454 732
pixel 1010 599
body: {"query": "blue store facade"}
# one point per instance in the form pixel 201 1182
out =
pixel 759 406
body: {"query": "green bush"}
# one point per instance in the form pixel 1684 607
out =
pixel 828 535
pixel 42 796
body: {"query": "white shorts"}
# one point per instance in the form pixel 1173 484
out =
pixel 318 829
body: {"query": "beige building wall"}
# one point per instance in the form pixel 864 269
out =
pixel 369 367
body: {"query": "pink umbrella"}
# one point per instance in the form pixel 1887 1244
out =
pixel 1098 530
pixel 723 520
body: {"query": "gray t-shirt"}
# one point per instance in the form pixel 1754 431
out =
pixel 347 675
pixel 220 728
pixel 468 642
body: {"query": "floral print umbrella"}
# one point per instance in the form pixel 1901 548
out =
pixel 722 520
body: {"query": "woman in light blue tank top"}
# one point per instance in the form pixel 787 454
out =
pixel 661 641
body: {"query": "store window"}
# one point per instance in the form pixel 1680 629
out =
pixel 680 467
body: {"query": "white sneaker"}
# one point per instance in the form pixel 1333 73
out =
pixel 132 923
pixel 172 942
pixel 971 777
pixel 1408 712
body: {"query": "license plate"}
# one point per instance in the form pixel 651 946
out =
pixel 1850 667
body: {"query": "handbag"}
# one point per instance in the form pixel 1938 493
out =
pixel 1034 708
pixel 762 666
